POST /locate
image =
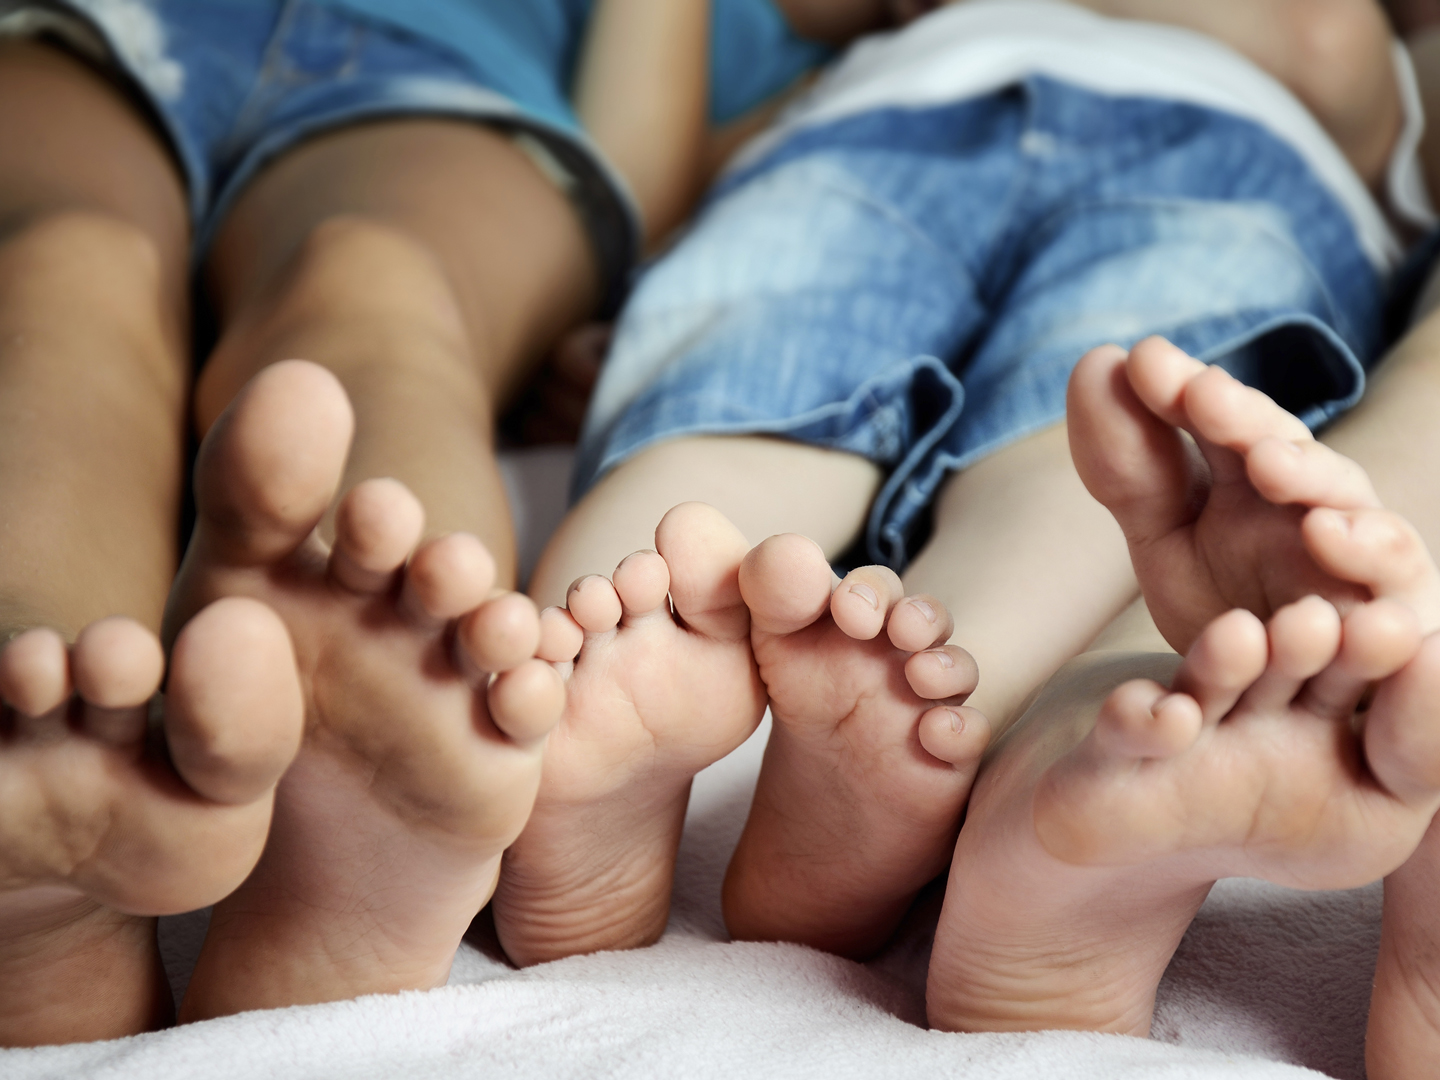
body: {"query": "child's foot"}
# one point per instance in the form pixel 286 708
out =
pixel 870 759
pixel 98 833
pixel 1085 855
pixel 1256 517
pixel 664 685
pixel 413 776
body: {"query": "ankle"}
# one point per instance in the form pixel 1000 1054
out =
pixel 78 972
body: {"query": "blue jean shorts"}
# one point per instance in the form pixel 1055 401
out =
pixel 915 286
pixel 235 83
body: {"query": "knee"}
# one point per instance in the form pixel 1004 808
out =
pixel 98 258
pixel 355 266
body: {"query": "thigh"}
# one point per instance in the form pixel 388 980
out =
pixel 509 244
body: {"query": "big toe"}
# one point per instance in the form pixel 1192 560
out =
pixel 233 711
pixel 269 467
pixel 786 583
pixel 1402 741
pixel 703 552
pixel 1134 462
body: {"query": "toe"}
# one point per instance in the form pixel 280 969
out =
pixel 1160 374
pixel 1307 473
pixel 642 582
pixel 377 524
pixel 448 577
pixel 1402 741
pixel 703 551
pixel 786 582
pixel 500 634
pixel 1226 412
pixel 1225 660
pixel 35 672
pixel 268 468
pixel 233 706
pixel 1132 461
pixel 1304 639
pixel 1377 639
pixel 919 622
pixel 1379 550
pixel 560 636
pixel 526 702
pixel 117 665
pixel 862 602
pixel 1140 719
pixel 942 673
pixel 956 735
pixel 594 604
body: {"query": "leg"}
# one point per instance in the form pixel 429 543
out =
pixel 864 780
pixel 96 836
pixel 427 264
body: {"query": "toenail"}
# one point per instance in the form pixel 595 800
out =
pixel 866 593
pixel 926 609
pixel 946 660
pixel 957 722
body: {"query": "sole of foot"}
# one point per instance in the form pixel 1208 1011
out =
pixel 870 759
pixel 1106 815
pixel 425 711
pixel 664 684
pixel 100 831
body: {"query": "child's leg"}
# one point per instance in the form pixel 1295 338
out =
pixel 97 835
pixel 423 263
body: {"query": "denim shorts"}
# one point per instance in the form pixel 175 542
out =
pixel 915 285
pixel 235 83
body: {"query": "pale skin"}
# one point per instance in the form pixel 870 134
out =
pixel 423 265
pixel 1121 788
pixel 1030 565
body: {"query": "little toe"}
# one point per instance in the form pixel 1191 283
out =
pixel 1402 742
pixel 1225 660
pixel 527 701
pixel 377 525
pixel 1135 463
pixel 1304 639
pixel 1377 639
pixel 786 582
pixel 703 551
pixel 594 604
pixel 919 622
pixel 1379 550
pixel 1142 720
pixel 861 604
pixel 642 582
pixel 956 735
pixel 500 634
pixel 942 673
pixel 117 665
pixel 1307 473
pixel 560 636
pixel 35 672
pixel 234 712
pixel 269 466
pixel 447 577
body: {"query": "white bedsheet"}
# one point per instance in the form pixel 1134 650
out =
pixel 1268 984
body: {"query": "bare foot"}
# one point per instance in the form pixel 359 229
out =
pixel 870 759
pixel 99 833
pixel 1098 830
pixel 413 776
pixel 664 685
pixel 1216 523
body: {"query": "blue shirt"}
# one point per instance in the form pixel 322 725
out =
pixel 527 49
